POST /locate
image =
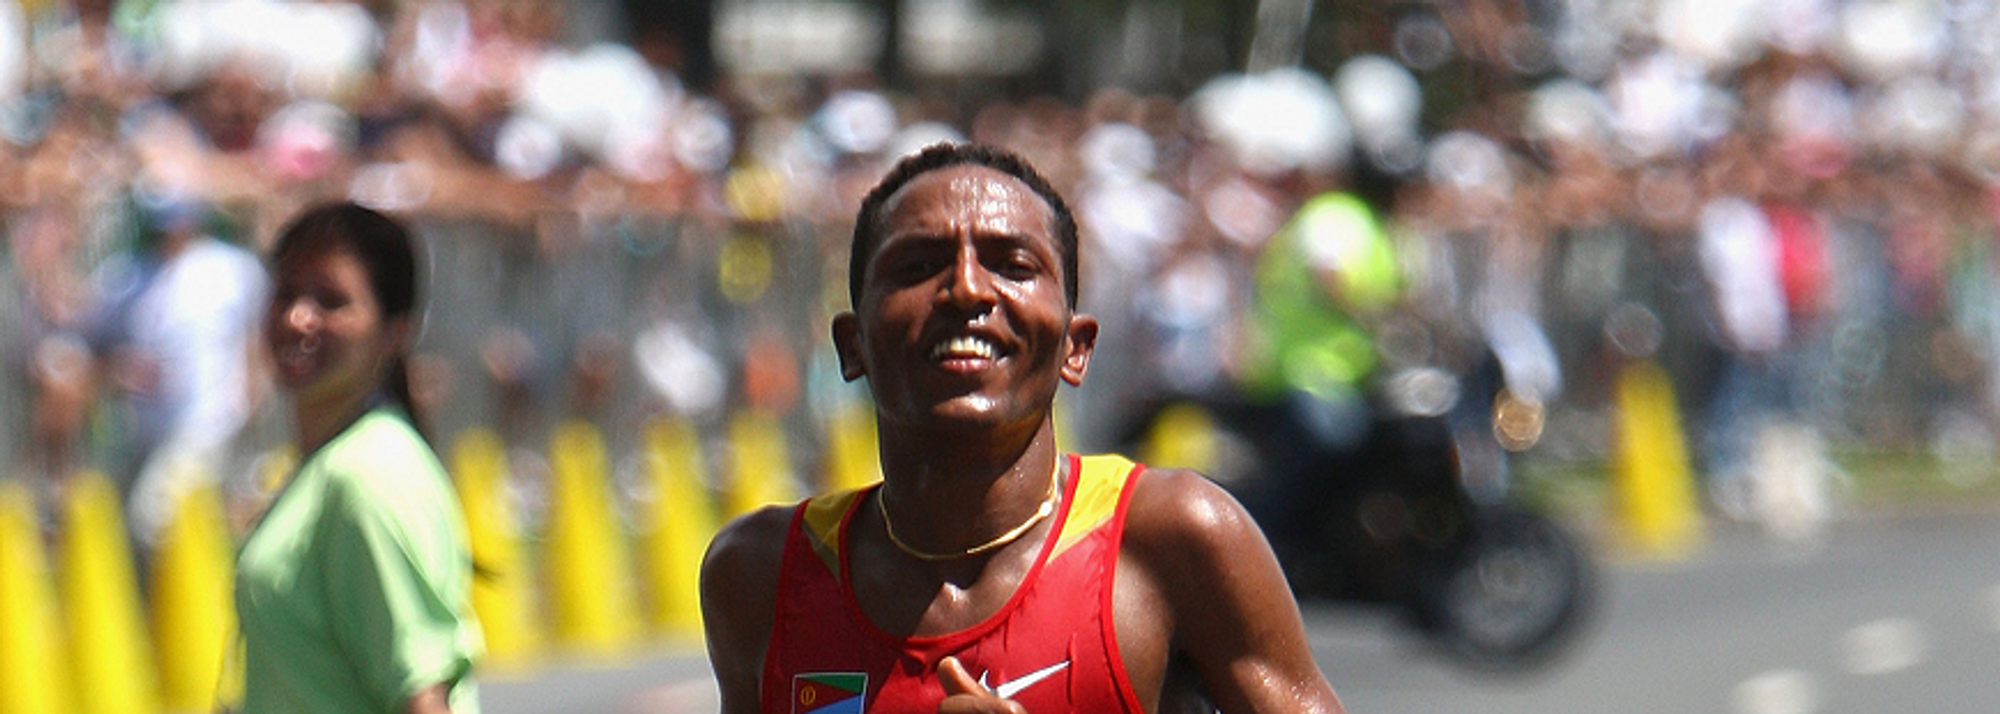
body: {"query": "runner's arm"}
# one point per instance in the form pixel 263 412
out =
pixel 739 588
pixel 1198 555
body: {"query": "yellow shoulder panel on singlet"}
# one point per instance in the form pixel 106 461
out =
pixel 824 515
pixel 1099 485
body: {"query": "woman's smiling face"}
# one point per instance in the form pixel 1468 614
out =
pixel 328 338
pixel 963 314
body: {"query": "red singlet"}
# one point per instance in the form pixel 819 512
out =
pixel 1052 647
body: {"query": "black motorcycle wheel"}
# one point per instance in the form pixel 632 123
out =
pixel 1511 597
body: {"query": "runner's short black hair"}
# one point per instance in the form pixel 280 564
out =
pixel 868 223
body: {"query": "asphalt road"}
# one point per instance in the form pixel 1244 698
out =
pixel 1884 615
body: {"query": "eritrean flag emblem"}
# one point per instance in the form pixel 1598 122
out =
pixel 829 692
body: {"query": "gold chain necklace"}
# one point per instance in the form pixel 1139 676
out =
pixel 1048 507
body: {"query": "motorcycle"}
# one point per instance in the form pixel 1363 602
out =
pixel 1399 498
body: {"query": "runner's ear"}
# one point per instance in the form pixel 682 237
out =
pixel 1077 347
pixel 847 345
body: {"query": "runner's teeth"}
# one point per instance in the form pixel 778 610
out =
pixel 964 347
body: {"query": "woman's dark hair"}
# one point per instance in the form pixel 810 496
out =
pixel 868 223
pixel 387 252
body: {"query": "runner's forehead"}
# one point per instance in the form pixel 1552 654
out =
pixel 966 197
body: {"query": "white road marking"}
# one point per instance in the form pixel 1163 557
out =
pixel 1779 691
pixel 1993 607
pixel 696 694
pixel 1884 646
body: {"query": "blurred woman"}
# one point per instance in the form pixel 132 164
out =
pixel 353 590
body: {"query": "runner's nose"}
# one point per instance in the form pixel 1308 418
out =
pixel 971 285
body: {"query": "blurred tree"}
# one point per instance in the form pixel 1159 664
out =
pixel 889 65
pixel 1083 37
pixel 1214 36
pixel 678 35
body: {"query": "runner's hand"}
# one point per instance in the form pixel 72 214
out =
pixel 965 695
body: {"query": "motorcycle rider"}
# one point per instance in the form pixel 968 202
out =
pixel 1322 283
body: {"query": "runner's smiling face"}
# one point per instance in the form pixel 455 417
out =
pixel 962 315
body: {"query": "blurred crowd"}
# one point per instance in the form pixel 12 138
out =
pixel 1790 205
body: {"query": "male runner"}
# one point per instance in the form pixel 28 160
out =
pixel 988 573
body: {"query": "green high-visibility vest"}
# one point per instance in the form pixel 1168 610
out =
pixel 1305 338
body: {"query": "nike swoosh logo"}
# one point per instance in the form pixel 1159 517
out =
pixel 1008 690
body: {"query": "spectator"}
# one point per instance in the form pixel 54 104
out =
pixel 174 337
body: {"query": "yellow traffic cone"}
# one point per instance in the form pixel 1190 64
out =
pixel 1655 489
pixel 277 467
pixel 1059 422
pixel 589 576
pixel 1182 436
pixel 851 455
pixel 193 609
pixel 760 464
pixel 502 589
pixel 111 661
pixel 31 676
pixel 681 524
